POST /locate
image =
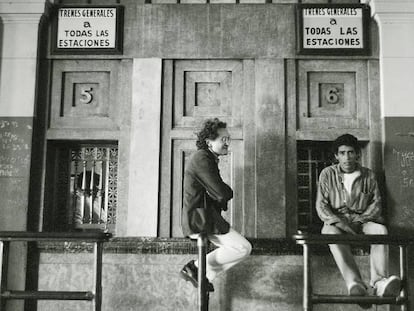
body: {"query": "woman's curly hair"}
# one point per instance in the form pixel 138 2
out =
pixel 209 131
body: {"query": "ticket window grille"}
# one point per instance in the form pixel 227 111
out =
pixel 312 158
pixel 85 191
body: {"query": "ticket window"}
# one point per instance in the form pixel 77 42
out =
pixel 81 187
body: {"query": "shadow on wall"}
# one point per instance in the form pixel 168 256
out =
pixel 266 281
pixel 276 283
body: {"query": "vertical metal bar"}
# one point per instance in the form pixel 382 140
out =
pixel 1 274
pixel 403 276
pixel 98 252
pixel 310 205
pixel 99 192
pixel 82 198
pixel 91 193
pixel 99 276
pixel 106 184
pixel 75 189
pixel 202 281
pixel 307 279
pixel 4 257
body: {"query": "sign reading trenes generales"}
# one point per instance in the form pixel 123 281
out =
pixel 337 29
pixel 88 29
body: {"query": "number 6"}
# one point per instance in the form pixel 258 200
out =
pixel 332 96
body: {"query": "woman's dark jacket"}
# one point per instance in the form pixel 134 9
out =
pixel 205 196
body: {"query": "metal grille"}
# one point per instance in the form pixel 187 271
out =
pixel 86 186
pixel 312 157
pixel 93 176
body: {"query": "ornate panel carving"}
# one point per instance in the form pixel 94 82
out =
pixel 84 95
pixel 205 89
pixel 81 98
pixel 332 94
pixel 329 99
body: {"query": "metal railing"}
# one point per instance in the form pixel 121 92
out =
pixel 203 293
pixel 309 298
pixel 95 296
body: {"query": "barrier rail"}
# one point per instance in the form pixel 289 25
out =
pixel 309 298
pixel 97 238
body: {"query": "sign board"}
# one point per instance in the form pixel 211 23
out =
pixel 88 29
pixel 333 29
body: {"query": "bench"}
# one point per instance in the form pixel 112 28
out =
pixel 98 238
pixel 310 298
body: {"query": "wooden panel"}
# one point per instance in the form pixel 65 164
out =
pixel 270 149
pixel 164 223
pixel 84 95
pixel 248 222
pixel 375 146
pixel 291 154
pixel 209 31
pixel 250 96
pixel 194 90
pixel 204 89
pixel 332 95
pixel 229 166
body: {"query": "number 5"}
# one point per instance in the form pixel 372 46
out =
pixel 86 96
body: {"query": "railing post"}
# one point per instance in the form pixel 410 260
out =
pixel 98 252
pixel 97 238
pixel 202 280
pixel 4 261
pixel 326 239
pixel 404 277
pixel 307 279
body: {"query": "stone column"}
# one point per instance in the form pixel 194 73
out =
pixel 20 24
pixel 141 217
pixel 395 19
pixel 18 58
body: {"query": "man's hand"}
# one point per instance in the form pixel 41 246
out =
pixel 356 226
pixel 345 226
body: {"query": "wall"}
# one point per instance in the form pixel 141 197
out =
pixel 146 278
pixel 18 61
pixel 396 24
pixel 248 66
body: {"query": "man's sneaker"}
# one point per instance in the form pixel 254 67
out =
pixel 190 272
pixel 388 287
pixel 359 289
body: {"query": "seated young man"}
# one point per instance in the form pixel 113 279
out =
pixel 205 196
pixel 349 201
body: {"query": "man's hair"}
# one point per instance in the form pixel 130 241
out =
pixel 209 131
pixel 345 140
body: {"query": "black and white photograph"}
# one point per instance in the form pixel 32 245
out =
pixel 206 155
